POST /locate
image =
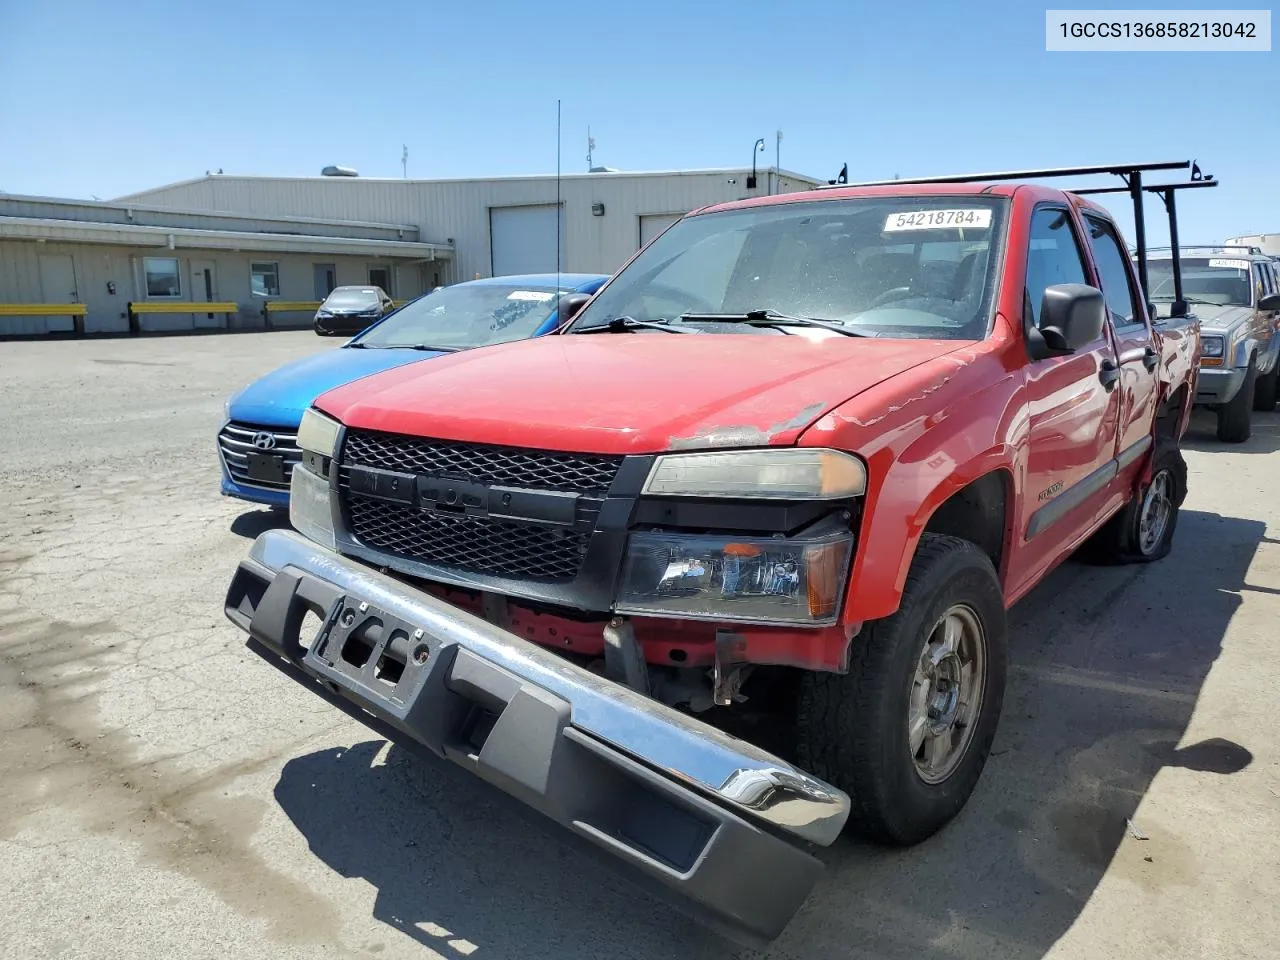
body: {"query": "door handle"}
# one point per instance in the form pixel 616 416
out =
pixel 1109 374
pixel 1150 358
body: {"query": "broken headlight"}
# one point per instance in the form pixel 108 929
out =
pixel 761 579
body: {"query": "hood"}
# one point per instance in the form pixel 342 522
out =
pixel 629 393
pixel 1214 317
pixel 279 398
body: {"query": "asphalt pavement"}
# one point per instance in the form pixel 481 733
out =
pixel 163 793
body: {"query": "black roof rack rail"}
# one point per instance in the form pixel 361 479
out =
pixel 1130 173
pixel 1255 251
pixel 1115 169
pixel 1166 193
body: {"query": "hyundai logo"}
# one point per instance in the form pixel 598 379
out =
pixel 264 441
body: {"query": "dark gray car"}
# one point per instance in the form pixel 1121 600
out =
pixel 350 309
pixel 1235 294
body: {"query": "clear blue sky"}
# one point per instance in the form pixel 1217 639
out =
pixel 107 98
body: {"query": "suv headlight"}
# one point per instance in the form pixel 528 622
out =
pixel 793 473
pixel 761 579
pixel 1212 346
pixel 318 434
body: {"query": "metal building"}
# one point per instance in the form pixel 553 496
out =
pixel 260 250
pixel 1269 243
pixel 90 267
pixel 499 225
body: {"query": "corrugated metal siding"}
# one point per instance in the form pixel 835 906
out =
pixel 98 264
pixel 459 210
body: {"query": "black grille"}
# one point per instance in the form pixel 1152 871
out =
pixel 498 466
pixel 475 544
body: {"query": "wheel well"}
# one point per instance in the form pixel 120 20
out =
pixel 977 513
pixel 1169 415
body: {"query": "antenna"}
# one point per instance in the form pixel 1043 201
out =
pixel 404 161
pixel 591 148
pixel 558 210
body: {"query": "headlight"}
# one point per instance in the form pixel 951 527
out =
pixel 1211 346
pixel 309 508
pixel 318 433
pixel 226 409
pixel 791 474
pixel 322 312
pixel 735 578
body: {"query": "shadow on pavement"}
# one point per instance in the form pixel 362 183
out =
pixel 1106 667
pixel 252 523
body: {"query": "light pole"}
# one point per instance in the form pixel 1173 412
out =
pixel 758 148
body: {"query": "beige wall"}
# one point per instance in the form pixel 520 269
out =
pixel 96 265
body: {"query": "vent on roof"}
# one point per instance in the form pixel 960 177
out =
pixel 338 172
pixel 604 170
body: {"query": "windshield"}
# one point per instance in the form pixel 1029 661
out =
pixel 1218 280
pixel 346 299
pixel 466 315
pixel 898 267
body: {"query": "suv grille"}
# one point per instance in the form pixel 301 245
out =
pixel 236 441
pixel 499 466
pixel 476 544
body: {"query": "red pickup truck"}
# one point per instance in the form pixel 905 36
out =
pixel 798 456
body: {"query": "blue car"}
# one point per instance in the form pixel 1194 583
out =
pixel 258 444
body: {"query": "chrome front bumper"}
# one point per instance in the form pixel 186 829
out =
pixel 625 772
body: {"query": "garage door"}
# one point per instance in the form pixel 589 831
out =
pixel 523 240
pixel 654 224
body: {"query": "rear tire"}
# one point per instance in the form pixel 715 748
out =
pixel 860 730
pixel 1235 418
pixel 1264 390
pixel 1143 529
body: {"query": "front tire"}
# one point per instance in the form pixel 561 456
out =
pixel 907 731
pixel 1235 418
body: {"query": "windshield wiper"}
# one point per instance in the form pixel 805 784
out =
pixel 770 318
pixel 626 324
pixel 427 346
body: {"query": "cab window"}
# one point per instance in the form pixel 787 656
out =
pixel 1053 256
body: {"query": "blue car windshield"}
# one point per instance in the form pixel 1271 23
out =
pixel 466 315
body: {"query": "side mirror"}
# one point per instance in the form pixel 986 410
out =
pixel 569 306
pixel 1269 303
pixel 1071 316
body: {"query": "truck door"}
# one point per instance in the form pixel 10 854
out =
pixel 1136 354
pixel 1072 403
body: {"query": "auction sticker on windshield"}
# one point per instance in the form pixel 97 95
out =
pixel 937 220
pixel 537 296
pixel 1229 264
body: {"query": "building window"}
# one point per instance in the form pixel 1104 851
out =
pixel 163 276
pixel 380 276
pixel 264 279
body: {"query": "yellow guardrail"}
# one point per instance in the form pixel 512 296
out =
pixel 43 310
pixel 184 306
pixel 177 306
pixel 290 306
pixel 76 311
